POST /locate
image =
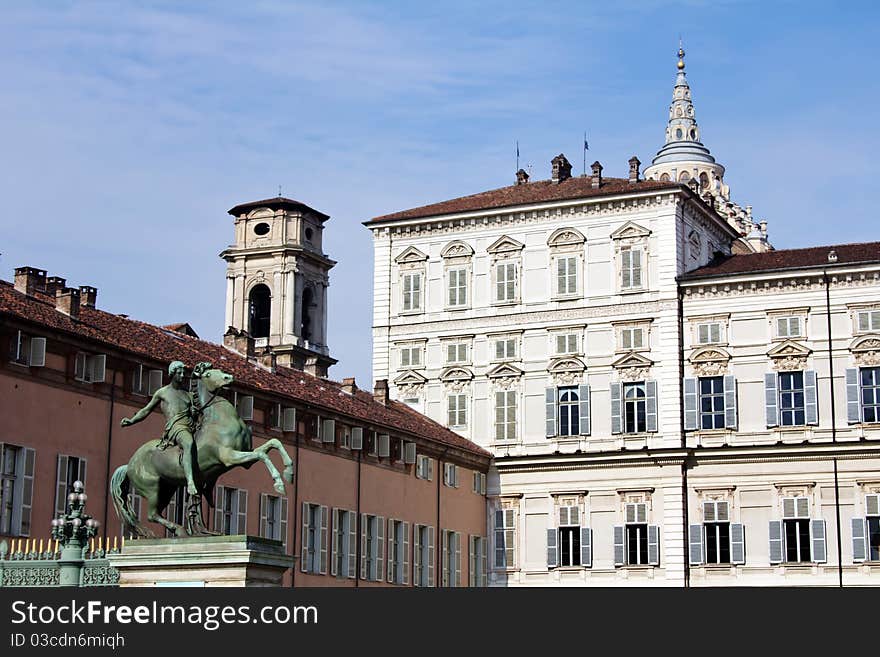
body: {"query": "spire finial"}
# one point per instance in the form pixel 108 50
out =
pixel 680 55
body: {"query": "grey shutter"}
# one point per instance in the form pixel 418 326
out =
pixel 380 548
pixel 695 545
pixel 775 530
pixel 405 560
pixel 26 490
pixel 304 547
pixel 430 556
pixel 98 367
pixel 410 453
pixel 811 406
pixel 417 555
pixel 154 381
pixel 335 547
pixel 737 543
pixel 853 407
pixel 79 367
pixel 351 529
pixel 457 580
pixel 619 546
pixel 653 545
pixel 651 405
pixel 392 550
pixel 771 399
pixel 322 563
pixel 552 549
pixel 241 521
pixel 384 445
pixel 218 509
pixel 817 535
pixel 81 474
pixel 357 438
pixel 283 523
pixel 584 408
pixel 364 546
pixel 690 404
pixel 616 408
pixel 484 562
pixel 550 402
pixel 246 407
pixel 38 352
pixel 61 486
pixel 730 414
pixel 263 504
pixel 328 431
pixel 858 539
pixel 586 547
pixel 288 419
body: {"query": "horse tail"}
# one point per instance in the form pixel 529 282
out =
pixel 119 488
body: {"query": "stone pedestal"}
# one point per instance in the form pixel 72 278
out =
pixel 202 561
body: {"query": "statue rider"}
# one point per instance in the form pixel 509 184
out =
pixel 179 408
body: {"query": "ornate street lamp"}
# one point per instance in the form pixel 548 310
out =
pixel 73 531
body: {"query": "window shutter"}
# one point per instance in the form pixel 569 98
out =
pixel 651 405
pixel 722 511
pixel 616 410
pixel 410 456
pixel 380 548
pixel 788 507
pixel 304 554
pixel 241 526
pixel 472 560
pixel 322 564
pixel 817 536
pixel 26 490
pixel 430 469
pixel 484 562
pixel 430 556
pixel 335 547
pixel 79 367
pixel 405 566
pixel 328 431
pixel 690 404
pixel 288 419
pixel 730 414
pixel 384 445
pixel 625 268
pixel 264 502
pixel 246 407
pixel 283 523
pixel 552 549
pixel 81 475
pixel 154 378
pixel 455 475
pixel 619 546
pixel 38 352
pixel 98 367
pixel 444 558
pixel 853 407
pixel 550 402
pixel 771 399
pixel 811 406
pixel 775 531
pixel 637 268
pixel 350 526
pixel 364 546
pixel 737 543
pixel 392 550
pixel 219 497
pixel 357 438
pixel 61 486
pixel 586 547
pixel 653 545
pixel 872 505
pixel 584 408
pixel 695 545
pixel 803 507
pixel 457 536
pixel 858 539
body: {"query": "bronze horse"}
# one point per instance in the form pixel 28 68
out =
pixel 223 441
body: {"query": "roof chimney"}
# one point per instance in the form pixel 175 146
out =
pixel 522 177
pixel 88 296
pixel 380 391
pixel 561 168
pixel 67 301
pixel 597 174
pixel 268 359
pixel 349 386
pixel 53 284
pixel 239 341
pixel 634 169
pixel 313 367
pixel 29 279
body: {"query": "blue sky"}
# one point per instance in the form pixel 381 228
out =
pixel 129 129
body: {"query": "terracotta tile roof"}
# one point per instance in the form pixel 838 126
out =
pixel 277 203
pixel 814 256
pixel 164 345
pixel 540 191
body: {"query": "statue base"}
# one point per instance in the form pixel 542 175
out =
pixel 202 561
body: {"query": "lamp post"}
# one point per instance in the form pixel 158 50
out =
pixel 73 531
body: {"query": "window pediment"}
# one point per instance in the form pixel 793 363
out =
pixel 504 370
pixel 866 350
pixel 632 360
pixel 709 355
pixel 457 249
pixel 409 378
pixel 630 230
pixel 789 348
pixel 566 237
pixel 568 364
pixel 456 374
pixel 410 254
pixel 505 244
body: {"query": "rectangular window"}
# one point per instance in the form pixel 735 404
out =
pixel 632 338
pixel 716 525
pixel 566 343
pixel 872 521
pixel 505 347
pixel 398 544
pixel 566 275
pixel 9 477
pixel 712 402
pixel 344 543
pixel 788 327
pixel 69 470
pixel 505 282
pixel 372 548
pixel 273 517
pixel 796 529
pixel 451 558
pixel 634 408
pixel 314 539
pixel 479 483
pixel 412 292
pixel 90 368
pixel 27 350
pixel 505 538
pixel 569 415
pixel 569 536
pixel 505 415
pixel 424 467
pixel 791 399
pixel 231 511
pixel 411 356
pixel 423 556
pixel 456 352
pixel 457 410
pixel 630 268
pixel 637 534
pixel 457 290
pixel 868 320
pixel 870 392
pixel 477 561
pixel 709 333
pixel 450 475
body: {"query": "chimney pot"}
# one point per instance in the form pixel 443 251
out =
pixel 522 177
pixel 313 367
pixel 28 280
pixel 634 165
pixel 349 386
pixel 67 301
pixel 380 391
pixel 54 283
pixel 88 296
pixel 597 174
pixel 561 168
pixel 239 341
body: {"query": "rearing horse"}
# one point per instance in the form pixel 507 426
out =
pixel 223 441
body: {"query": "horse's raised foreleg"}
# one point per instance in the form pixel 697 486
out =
pixel 274 443
pixel 233 457
pixel 153 515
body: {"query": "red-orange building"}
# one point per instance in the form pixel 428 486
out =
pixel 381 494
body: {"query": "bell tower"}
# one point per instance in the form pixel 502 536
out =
pixel 277 277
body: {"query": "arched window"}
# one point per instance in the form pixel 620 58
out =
pixel 664 177
pixel 704 180
pixel 569 420
pixel 259 311
pixel 634 408
pixel 684 177
pixel 306 328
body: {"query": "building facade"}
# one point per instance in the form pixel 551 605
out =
pixel 669 400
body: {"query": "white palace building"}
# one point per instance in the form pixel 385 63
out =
pixel 670 401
